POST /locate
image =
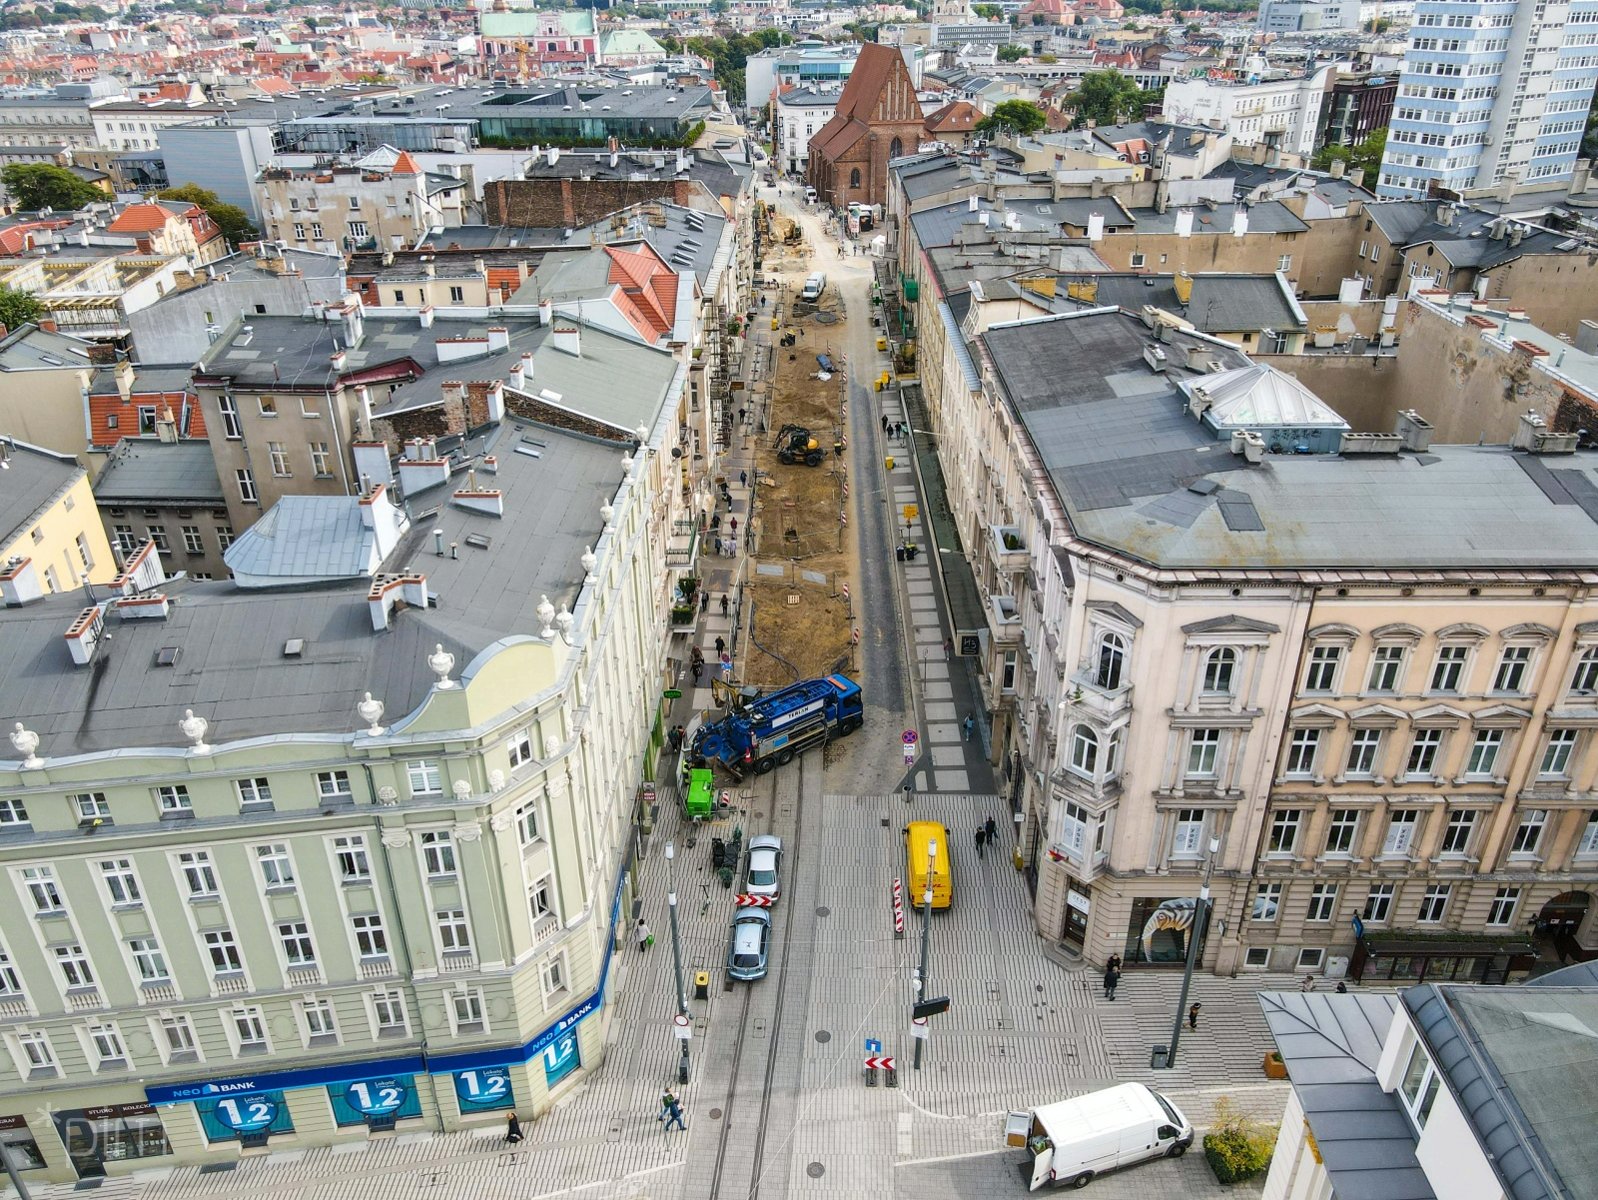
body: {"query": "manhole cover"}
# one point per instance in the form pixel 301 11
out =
pixel 823 911
pixel 823 1035
pixel 715 1114
pixel 815 1170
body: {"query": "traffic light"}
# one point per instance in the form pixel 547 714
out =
pixel 931 1008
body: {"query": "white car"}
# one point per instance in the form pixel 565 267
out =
pixel 765 864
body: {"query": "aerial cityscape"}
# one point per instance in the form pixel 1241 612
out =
pixel 797 600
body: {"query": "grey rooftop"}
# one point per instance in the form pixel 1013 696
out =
pixel 33 478
pixel 150 471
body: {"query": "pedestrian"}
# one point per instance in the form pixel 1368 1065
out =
pixel 948 647
pixel 513 1129
pixel 721 645
pixel 743 415
pixel 697 668
pixel 1308 985
pixel 732 526
pixel 981 840
pixel 1114 964
pixel 743 478
pixel 969 725
pixel 1342 988
pixel 641 934
pixel 1112 979
pixel 671 1112
pixel 991 828
pixel 726 664
pixel 704 602
pixel 884 424
pixel 724 604
pixel 1192 1015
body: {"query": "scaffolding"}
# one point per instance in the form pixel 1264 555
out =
pixel 717 351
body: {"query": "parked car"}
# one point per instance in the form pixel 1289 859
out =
pixel 765 865
pixel 749 948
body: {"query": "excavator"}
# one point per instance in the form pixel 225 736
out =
pixel 797 444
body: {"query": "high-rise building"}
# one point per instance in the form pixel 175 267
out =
pixel 1491 91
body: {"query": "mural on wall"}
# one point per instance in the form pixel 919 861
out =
pixel 1159 929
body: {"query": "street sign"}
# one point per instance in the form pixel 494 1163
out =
pixel 681 1027
pixel 930 1008
pixel 744 900
pixel 672 693
pixel 910 737
pixel 909 756
pixel 911 512
pixel 918 1027
pixel 874 1062
pixel 873 1046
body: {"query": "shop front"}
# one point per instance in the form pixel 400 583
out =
pixel 20 1145
pixel 1380 958
pixel 1158 930
pixel 111 1133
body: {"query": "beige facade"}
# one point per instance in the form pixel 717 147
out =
pixel 57 543
pixel 345 208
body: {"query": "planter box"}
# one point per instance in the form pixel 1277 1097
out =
pixel 1275 1068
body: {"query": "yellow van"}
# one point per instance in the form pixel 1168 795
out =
pixel 918 836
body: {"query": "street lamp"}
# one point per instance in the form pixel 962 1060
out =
pixel 1200 919
pixel 676 953
pixel 926 939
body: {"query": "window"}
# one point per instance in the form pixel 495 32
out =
pixel 231 429
pixel 309 410
pixel 1512 669
pixel 318 1018
pixel 148 960
pixel 84 556
pixel 1423 753
pixel 224 951
pixel 1267 902
pixel 1203 749
pixel 333 785
pixel 370 939
pixel 454 936
pixel 40 883
pixel 249 1029
pixel 399 295
pixel 125 540
pixel 74 964
pixel 178 1034
pixel 255 791
pixel 1321 674
pixel 1557 753
pixel 468 1005
pixel 350 854
pixel 1284 831
pixel 1084 750
pixel 1301 751
pixel 321 460
pixel 1529 833
pixel 388 1011
pixel 157 534
pixel 1448 672
pixel 36 1051
pixel 1363 746
pixel 1007 672
pixel 854 177
pixel 358 231
pixel 277 871
pixel 10 982
pixel 12 811
pixel 1588 846
pixel 438 854
pixel 1419 1086
pixel 541 895
pixel 246 480
pixel 1484 753
pixel 1074 828
pixel 1284 263
pixel 198 876
pixel 1400 835
pixel 120 881
pixel 521 749
pixel 268 406
pixel 1456 834
pixel 316 230
pixel 193 541
pixel 280 459
pixel 106 1043
pixel 1137 261
pixel 1188 835
pixel 1502 910
pixel 1586 677
pixel 1112 662
pixel 1378 904
pixel 295 938
pixel 1322 902
pixel 1219 669
pixel 1434 903
pixel 424 777
pixel 224 537
pixel 553 973
pixel 1387 665
pixel 527 825
pixel 457 295
pixel 91 806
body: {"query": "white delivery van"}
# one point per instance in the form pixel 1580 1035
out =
pixel 814 286
pixel 1071 1142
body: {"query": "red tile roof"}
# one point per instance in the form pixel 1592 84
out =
pixel 648 284
pixel 140 218
pixel 955 117
pixel 405 165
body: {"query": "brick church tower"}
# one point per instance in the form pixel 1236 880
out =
pixel 878 118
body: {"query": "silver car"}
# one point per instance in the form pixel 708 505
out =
pixel 750 946
pixel 765 866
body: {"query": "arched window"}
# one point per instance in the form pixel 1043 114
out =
pixel 1084 750
pixel 1112 661
pixel 896 149
pixel 854 178
pixel 1586 679
pixel 1219 669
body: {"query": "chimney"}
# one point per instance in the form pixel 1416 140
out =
pixel 1239 222
pixel 552 156
pixel 1357 177
pixel 480 266
pixel 387 522
pixel 517 379
pixel 682 160
pixel 47 324
pixel 421 468
pixel 19 582
pixel 569 340
pixel 337 360
pixel 1339 165
pixel 496 401
pixel 488 501
pixel 1516 233
pixel 1415 431
pixel 430 269
pixel 546 311
pixel 124 377
pixel 498 339
pixel 83 635
pixel 1095 227
pixel 388 590
pixel 1587 337
pixel 1528 431
pixel 354 321
pixel 425 313
pixel 166 426
pixel 388 258
pixel 527 368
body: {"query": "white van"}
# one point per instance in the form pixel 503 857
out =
pixel 810 195
pixel 1071 1142
pixel 814 286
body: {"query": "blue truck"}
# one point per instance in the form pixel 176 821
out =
pixel 767 731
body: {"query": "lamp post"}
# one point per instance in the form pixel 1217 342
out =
pixel 11 1171
pixel 926 940
pixel 1200 919
pixel 676 953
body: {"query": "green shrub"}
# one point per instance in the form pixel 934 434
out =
pixel 1237 1148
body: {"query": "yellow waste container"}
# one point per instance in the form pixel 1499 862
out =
pixel 882 343
pixel 888 462
pixel 773 322
pixel 701 985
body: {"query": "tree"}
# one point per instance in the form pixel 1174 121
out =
pixel 18 307
pixel 43 185
pixel 232 220
pixel 988 12
pixel 1011 53
pixel 1014 116
pixel 1106 98
pixel 1366 156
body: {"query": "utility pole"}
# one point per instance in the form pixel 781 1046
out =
pixel 676 954
pixel 926 940
pixel 1200 919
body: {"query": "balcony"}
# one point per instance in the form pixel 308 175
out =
pixel 1004 615
pixel 682 547
pixel 544 928
pixel 377 968
pixel 1105 703
pixel 1007 548
pixel 456 961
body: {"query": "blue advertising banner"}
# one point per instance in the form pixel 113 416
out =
pixel 484 1090
pixel 385 1099
pixel 225 1119
pixel 561 1058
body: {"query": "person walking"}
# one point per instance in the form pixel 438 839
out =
pixel 513 1129
pixel 1112 979
pixel 948 647
pixel 981 840
pixel 732 526
pixel 642 936
pixel 969 725
pixel 724 604
pixel 671 1112
pixel 704 602
pixel 1342 988
pixel 884 424
pixel 1308 985
pixel 1114 964
pixel 743 478
pixel 721 645
pixel 698 669
pixel 991 828
pixel 1192 1014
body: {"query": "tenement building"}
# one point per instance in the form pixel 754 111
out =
pixel 1353 674
pixel 340 846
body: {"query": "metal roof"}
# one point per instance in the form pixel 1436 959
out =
pixel 1331 1044
pixel 305 538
